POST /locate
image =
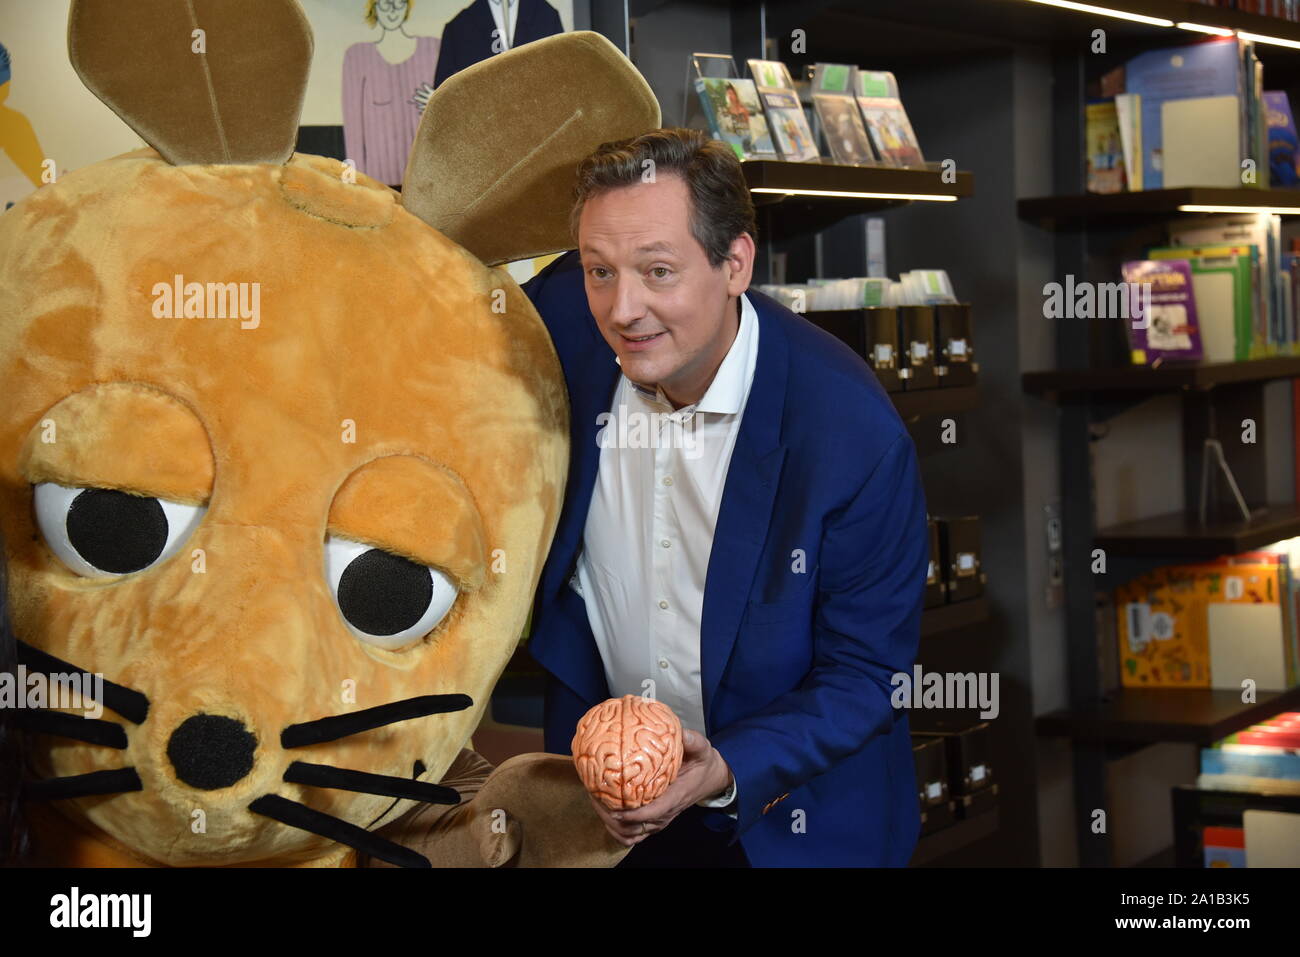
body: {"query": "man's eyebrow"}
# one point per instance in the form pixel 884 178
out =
pixel 660 246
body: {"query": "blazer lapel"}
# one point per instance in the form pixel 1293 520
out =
pixel 746 509
pixel 599 373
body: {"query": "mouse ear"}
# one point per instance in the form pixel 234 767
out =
pixel 493 162
pixel 201 81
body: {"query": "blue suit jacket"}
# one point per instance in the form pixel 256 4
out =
pixel 813 594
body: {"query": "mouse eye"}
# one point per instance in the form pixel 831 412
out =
pixel 103 531
pixel 386 600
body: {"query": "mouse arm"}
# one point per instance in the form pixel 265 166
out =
pixel 531 811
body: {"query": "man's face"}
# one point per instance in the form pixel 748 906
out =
pixel 667 314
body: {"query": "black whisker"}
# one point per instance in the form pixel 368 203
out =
pixel 416 770
pixel 342 725
pixel 114 781
pixel 345 779
pixel 130 704
pixel 326 825
pixel 63 725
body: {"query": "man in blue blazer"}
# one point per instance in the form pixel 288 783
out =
pixel 792 613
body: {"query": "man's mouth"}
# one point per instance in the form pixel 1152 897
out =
pixel 640 342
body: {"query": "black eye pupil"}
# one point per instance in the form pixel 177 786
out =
pixel 116 532
pixel 381 593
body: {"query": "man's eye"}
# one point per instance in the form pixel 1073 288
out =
pixel 660 272
pixel 598 272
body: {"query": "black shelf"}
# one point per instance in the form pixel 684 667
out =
pixel 946 840
pixel 960 614
pixel 1063 212
pixel 788 212
pixel 892 183
pixel 1181 535
pixel 1150 715
pixel 912 405
pixel 1079 384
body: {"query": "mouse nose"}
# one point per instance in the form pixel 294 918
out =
pixel 211 751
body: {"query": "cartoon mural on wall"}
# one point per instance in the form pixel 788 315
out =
pixel 385 87
pixel 17 141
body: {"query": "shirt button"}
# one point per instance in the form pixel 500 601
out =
pixel 668 480
pixel 665 543
pixel 663 604
pixel 663 662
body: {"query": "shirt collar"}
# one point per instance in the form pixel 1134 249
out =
pixel 726 393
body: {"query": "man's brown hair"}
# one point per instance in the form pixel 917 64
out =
pixel 721 208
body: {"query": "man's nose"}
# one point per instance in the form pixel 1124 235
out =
pixel 629 304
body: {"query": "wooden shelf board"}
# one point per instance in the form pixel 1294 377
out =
pixel 959 614
pixel 1072 385
pixel 1146 716
pixel 911 405
pixel 1180 535
pixel 1057 212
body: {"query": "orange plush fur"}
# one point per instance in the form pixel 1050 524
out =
pixel 394 390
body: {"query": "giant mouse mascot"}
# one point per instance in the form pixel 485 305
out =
pixel 281 453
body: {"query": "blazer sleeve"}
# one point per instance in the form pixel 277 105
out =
pixel 865 629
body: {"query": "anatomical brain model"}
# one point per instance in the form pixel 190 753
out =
pixel 628 750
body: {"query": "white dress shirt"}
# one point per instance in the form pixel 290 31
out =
pixel 507 36
pixel 649 531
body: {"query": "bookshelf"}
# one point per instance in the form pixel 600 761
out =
pixel 1089 235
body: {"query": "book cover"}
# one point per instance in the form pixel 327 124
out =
pixel 1105 159
pixel 838 112
pixel 1282 140
pixel 1167 330
pixel 1255 230
pixel 1210 69
pixel 785 116
pixel 885 119
pixel 1161 627
pixel 1222 279
pixel 1169 629
pixel 735 116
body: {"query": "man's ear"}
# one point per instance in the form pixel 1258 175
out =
pixel 740 264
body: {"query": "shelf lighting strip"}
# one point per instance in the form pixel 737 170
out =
pixel 1162 22
pixel 1106 12
pixel 855 194
pixel 1216 208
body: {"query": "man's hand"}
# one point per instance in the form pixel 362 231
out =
pixel 704 774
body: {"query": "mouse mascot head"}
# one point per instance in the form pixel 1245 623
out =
pixel 281 452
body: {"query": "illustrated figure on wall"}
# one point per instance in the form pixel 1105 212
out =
pixel 382 85
pixel 486 27
pixel 17 140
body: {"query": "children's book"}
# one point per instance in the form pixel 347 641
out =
pixel 735 116
pixel 785 116
pixel 1162 322
pixel 887 124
